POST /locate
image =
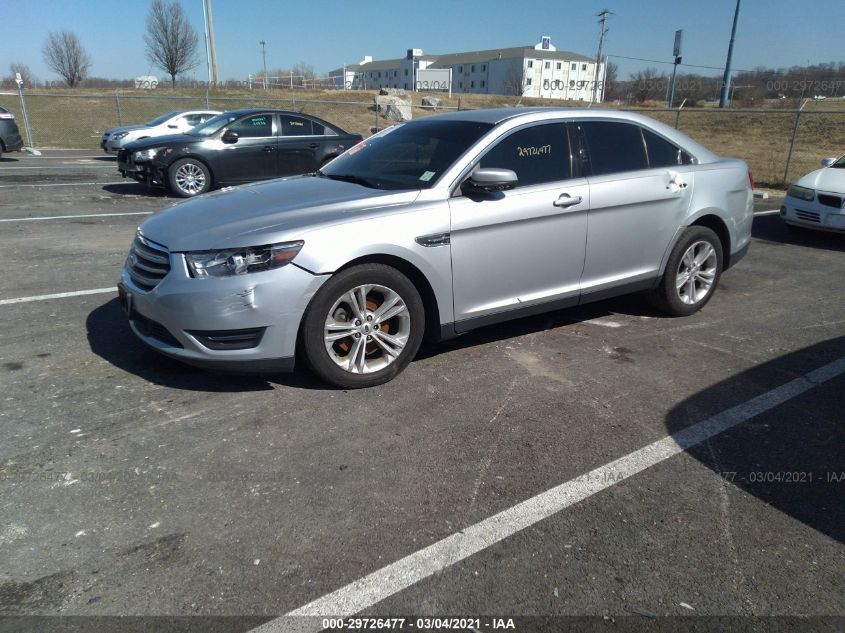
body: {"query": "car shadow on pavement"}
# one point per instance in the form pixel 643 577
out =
pixel 132 188
pixel 110 338
pixel 774 230
pixel 791 456
pixel 107 159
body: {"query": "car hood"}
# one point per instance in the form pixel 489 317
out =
pixel 267 212
pixel 825 179
pixel 125 128
pixel 161 141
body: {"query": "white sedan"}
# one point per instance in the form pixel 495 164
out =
pixel 178 122
pixel 817 200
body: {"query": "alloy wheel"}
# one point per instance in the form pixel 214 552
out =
pixel 696 272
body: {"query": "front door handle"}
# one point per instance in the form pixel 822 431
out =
pixel 314 145
pixel 565 200
pixel 269 148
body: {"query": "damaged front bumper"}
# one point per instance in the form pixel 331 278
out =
pixel 241 323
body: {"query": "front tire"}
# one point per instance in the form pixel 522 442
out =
pixel 692 272
pixel 363 326
pixel 188 177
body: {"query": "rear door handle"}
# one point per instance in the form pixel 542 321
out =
pixel 314 145
pixel 565 200
pixel 269 148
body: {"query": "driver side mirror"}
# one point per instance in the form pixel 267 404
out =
pixel 490 180
pixel 229 136
pixel 827 162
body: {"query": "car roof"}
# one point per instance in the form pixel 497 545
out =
pixel 247 111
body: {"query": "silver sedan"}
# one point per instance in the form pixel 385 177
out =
pixel 430 229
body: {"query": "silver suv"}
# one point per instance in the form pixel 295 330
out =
pixel 430 229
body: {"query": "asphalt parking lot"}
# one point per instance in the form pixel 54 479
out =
pixel 133 485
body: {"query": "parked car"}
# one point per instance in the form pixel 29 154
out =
pixel 178 122
pixel 817 200
pixel 10 136
pixel 233 148
pixel 433 228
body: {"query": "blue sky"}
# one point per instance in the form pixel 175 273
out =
pixel 327 34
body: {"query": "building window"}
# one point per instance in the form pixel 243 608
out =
pixel 548 65
pixel 379 74
pixel 395 73
pixel 460 69
pixel 558 65
pixel 574 66
pixel 484 68
pixel 531 63
pixel 583 66
pixel 483 84
pixel 571 83
pixel 528 81
pixel 460 84
pixel 472 84
pixel 406 72
pixel 472 69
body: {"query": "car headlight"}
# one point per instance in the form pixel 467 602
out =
pixel 146 154
pixel 119 135
pixel 802 193
pixel 240 261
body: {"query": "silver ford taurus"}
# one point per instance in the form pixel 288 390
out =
pixel 430 229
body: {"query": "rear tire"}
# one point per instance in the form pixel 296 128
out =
pixel 692 272
pixel 363 326
pixel 188 177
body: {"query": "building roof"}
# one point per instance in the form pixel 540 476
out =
pixel 470 57
pixel 516 52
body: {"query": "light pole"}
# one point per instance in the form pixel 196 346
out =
pixel 264 57
pixel 726 80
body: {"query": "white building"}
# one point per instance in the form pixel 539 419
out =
pixel 539 71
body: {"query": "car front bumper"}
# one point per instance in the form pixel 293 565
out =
pixel 182 317
pixel 814 215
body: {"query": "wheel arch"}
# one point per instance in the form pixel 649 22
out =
pixel 720 228
pixel 420 281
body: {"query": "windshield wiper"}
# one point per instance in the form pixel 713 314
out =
pixel 358 180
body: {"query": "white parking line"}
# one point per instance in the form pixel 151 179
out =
pixel 58 295
pixel 387 581
pixel 66 217
pixel 772 212
pixel 78 166
pixel 66 184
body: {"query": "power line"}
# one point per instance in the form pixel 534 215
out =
pixel 660 61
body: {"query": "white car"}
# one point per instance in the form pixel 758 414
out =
pixel 817 200
pixel 178 122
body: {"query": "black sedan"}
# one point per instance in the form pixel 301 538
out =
pixel 234 148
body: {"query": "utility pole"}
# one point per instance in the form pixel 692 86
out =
pixel 726 80
pixel 264 57
pixel 211 46
pixel 603 21
pixel 676 52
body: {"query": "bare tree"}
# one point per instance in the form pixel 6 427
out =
pixel 171 40
pixel 63 52
pixel 29 80
pixel 513 82
pixel 611 76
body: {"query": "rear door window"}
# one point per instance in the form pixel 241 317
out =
pixel 537 154
pixel 614 147
pixel 295 125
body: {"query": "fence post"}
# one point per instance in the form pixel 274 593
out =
pixel 117 103
pixel 459 103
pixel 792 141
pixel 678 115
pixel 25 115
pixel 375 107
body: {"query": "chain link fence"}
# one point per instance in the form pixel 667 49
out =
pixel 779 145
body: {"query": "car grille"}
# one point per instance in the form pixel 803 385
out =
pixel 155 330
pixel 147 264
pixel 830 201
pixel 807 216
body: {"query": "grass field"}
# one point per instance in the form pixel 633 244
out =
pixel 69 118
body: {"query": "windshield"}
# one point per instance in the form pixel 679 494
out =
pixel 213 125
pixel 161 119
pixel 408 156
pixel 840 164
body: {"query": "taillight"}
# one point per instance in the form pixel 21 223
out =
pixel 750 179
